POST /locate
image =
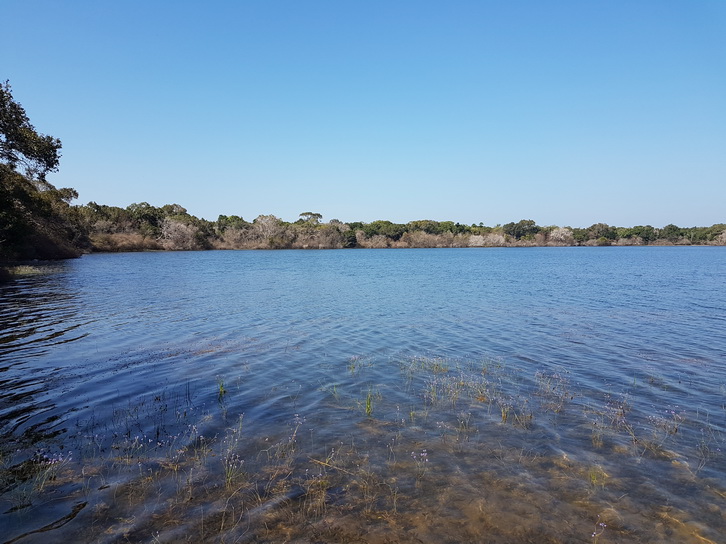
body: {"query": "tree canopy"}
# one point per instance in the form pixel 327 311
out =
pixel 21 146
pixel 33 214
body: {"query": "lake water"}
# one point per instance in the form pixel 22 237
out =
pixel 423 395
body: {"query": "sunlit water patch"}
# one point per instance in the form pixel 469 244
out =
pixel 543 395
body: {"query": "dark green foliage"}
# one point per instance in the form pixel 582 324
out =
pixel 146 218
pixel 356 225
pixel 602 230
pixel 671 232
pixel 526 228
pixel 646 233
pixel 349 239
pixel 385 228
pixel 34 215
pixel 21 147
pixel 424 225
pixel 225 222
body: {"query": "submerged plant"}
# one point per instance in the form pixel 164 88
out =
pixel 420 460
pixel 31 477
pixel 464 428
pixel 599 530
pixel 597 476
pixel 221 390
pixel 231 460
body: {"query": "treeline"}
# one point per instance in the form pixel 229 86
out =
pixel 145 227
pixel 37 220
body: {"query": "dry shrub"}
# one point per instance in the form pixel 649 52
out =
pixel 377 241
pixel 176 235
pixel 420 238
pixel 325 237
pixel 632 241
pixel 233 238
pixel 560 236
pixel 123 242
pixel 487 240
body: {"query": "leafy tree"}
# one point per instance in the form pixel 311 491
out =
pixel 147 218
pixel 425 225
pixel 521 229
pixel 644 232
pixel 34 215
pixel 170 210
pixel 225 222
pixel 671 232
pixel 385 228
pixel 311 217
pixel 448 226
pixel 21 147
pixel 356 225
pixel 602 230
pixel 715 231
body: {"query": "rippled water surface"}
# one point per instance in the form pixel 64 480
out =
pixel 473 395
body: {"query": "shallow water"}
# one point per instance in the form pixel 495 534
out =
pixel 474 395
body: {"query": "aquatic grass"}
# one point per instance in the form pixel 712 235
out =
pixel 420 461
pixel 331 389
pixel 464 428
pixel 357 363
pixel 283 488
pixel 367 404
pixel 597 477
pixel 30 478
pixel 316 494
pixel 234 465
pixel 709 445
pixel 600 527
pixel 32 270
pixel 221 390
pixel 598 429
pixel 554 390
pixel 284 449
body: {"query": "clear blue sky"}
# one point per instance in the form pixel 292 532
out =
pixel 565 112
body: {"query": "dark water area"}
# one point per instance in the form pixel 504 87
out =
pixel 423 395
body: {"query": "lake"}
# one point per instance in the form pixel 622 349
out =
pixel 425 395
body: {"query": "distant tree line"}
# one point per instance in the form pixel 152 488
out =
pixel 37 220
pixel 145 227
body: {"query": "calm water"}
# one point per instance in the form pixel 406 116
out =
pixel 476 395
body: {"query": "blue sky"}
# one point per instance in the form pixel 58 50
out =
pixel 565 112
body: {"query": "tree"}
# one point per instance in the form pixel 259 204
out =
pixel 34 215
pixel 311 217
pixel 602 230
pixel 645 232
pixel 20 144
pixel 521 229
pixel 225 222
pixel 147 218
pixel 385 228
pixel 671 232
